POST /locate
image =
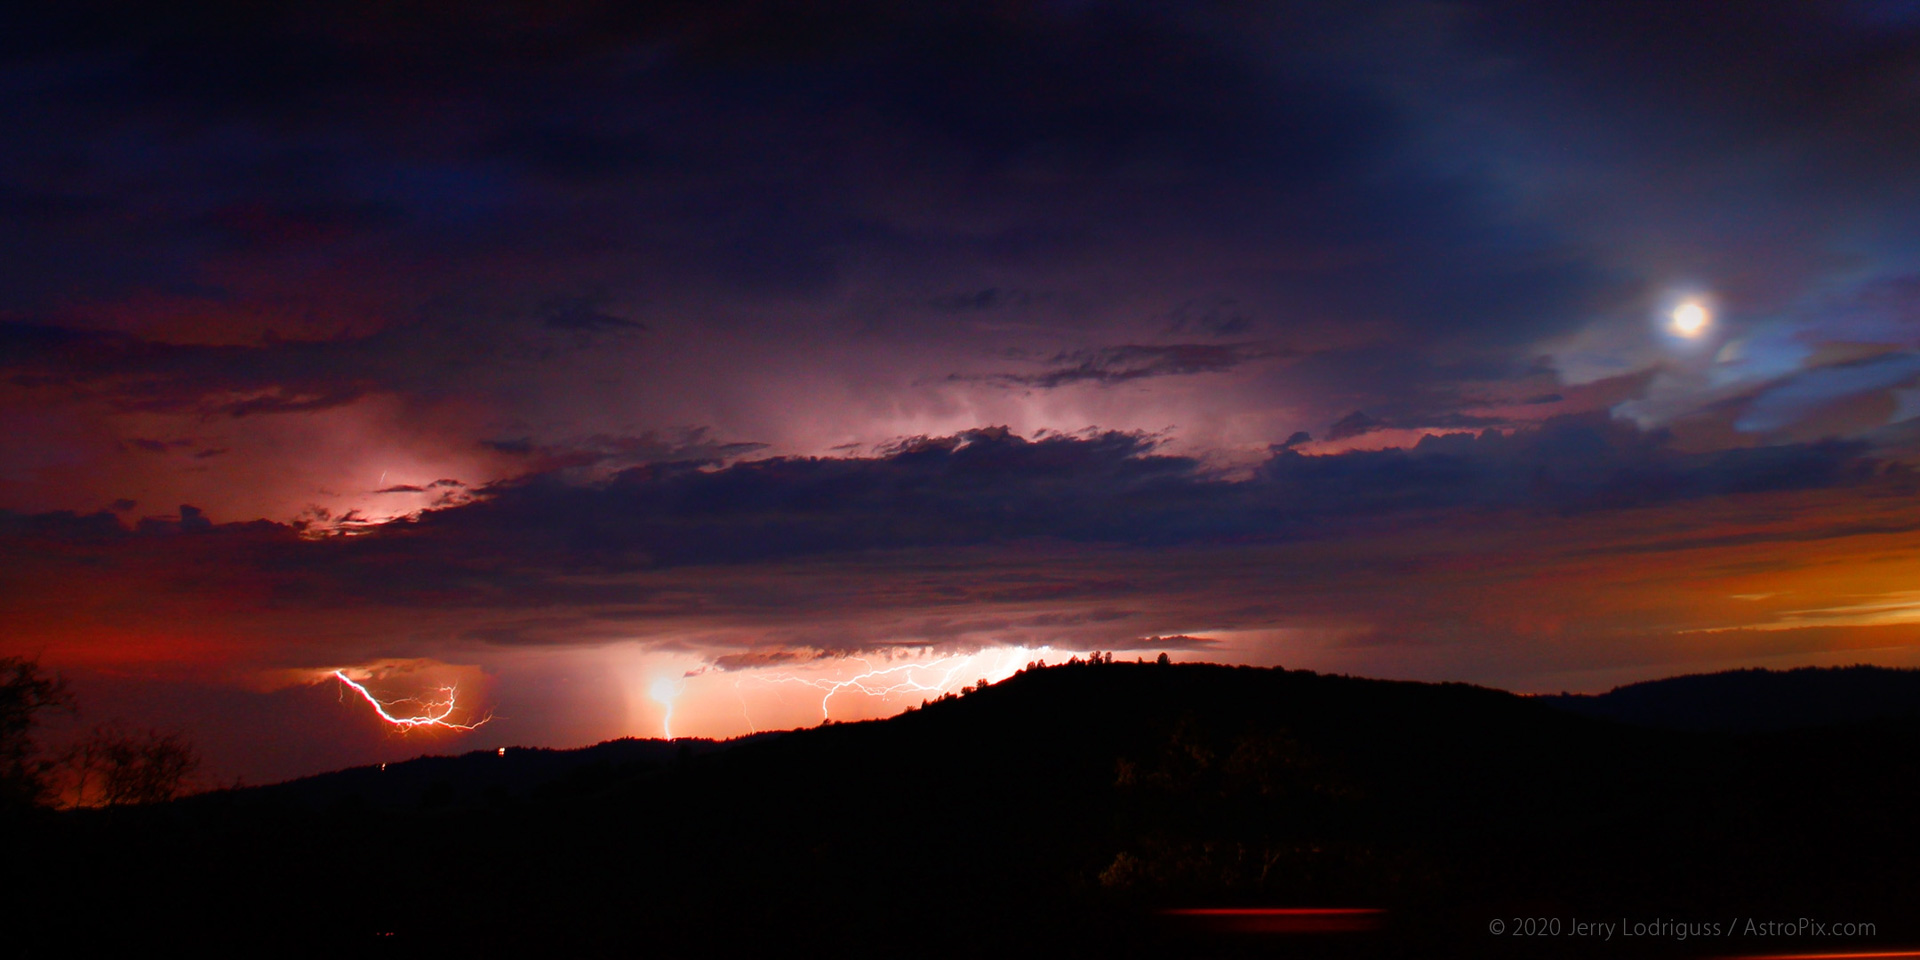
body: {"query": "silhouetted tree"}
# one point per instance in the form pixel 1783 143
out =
pixel 26 693
pixel 112 767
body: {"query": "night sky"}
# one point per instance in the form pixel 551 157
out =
pixel 596 361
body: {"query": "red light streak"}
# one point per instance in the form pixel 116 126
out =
pixel 1281 919
pixel 1833 956
pixel 435 712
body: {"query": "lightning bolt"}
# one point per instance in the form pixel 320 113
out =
pixel 434 712
pixel 664 691
pixel 939 676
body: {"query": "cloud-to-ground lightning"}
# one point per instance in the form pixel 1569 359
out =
pixel 434 713
pixel 664 691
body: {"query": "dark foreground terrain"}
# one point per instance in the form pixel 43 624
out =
pixel 1060 812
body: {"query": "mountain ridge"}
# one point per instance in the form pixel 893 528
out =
pixel 1756 699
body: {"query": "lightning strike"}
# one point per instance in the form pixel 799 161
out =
pixel 664 692
pixel 435 712
pixel 937 677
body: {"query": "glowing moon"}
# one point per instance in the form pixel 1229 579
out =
pixel 1690 319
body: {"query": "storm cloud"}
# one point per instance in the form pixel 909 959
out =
pixel 762 335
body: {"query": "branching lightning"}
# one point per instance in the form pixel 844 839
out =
pixel 936 677
pixel 434 713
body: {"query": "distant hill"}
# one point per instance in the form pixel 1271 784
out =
pixel 482 776
pixel 1756 700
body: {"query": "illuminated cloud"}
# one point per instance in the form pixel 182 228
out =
pixel 1888 609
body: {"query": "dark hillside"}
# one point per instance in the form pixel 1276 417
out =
pixel 478 777
pixel 1757 699
pixel 1056 812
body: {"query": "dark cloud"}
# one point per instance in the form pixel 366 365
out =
pixel 1418 176
pixel 764 658
pixel 986 487
pixel 989 298
pixel 975 487
pixel 1568 464
pixel 190 520
pixel 1832 75
pixel 1175 642
pixel 714 156
pixel 1400 387
pixel 1354 424
pixel 441 485
pixel 1358 423
pixel 575 151
pixel 275 375
pixel 139 374
pixel 1136 362
pixel 181 444
pixel 65 525
pixel 584 315
pixel 1218 316
pixel 603 453
pixel 992 486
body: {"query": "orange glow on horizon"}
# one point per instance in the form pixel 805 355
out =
pixel 670 695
